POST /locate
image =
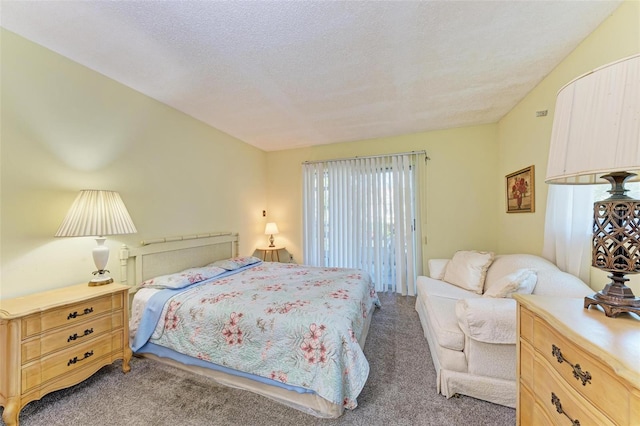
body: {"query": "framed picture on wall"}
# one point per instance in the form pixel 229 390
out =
pixel 520 191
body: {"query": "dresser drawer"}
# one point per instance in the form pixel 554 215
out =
pixel 601 385
pixel 554 392
pixel 526 363
pixel 525 406
pixel 70 314
pixel 540 417
pixel 70 336
pixel 526 324
pixel 634 409
pixel 64 362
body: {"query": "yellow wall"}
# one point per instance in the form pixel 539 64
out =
pixel 524 139
pixel 66 128
pixel 460 196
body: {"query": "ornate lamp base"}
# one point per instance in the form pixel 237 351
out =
pixel 616 238
pixel 611 306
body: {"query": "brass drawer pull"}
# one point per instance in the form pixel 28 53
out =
pixel 76 314
pixel 75 358
pixel 556 401
pixel 584 376
pixel 75 336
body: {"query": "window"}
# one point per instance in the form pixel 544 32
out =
pixel 363 213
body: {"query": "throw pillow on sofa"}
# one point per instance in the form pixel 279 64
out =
pixel 468 269
pixel 521 281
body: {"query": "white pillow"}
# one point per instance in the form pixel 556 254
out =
pixel 468 269
pixel 437 268
pixel 235 262
pixel 521 281
pixel 183 278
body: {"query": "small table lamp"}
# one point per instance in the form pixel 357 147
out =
pixel 271 229
pixel 596 133
pixel 97 213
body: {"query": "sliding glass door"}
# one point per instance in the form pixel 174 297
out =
pixel 363 213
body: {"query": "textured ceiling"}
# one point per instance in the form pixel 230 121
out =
pixel 281 75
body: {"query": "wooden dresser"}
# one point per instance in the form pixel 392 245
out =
pixel 58 338
pixel 576 365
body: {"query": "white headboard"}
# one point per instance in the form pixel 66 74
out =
pixel 174 254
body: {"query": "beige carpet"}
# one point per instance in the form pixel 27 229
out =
pixel 401 390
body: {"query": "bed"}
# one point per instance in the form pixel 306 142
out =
pixel 289 332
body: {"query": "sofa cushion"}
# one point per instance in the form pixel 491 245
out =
pixel 488 320
pixel 441 312
pixel 521 281
pixel 467 269
pixel 430 287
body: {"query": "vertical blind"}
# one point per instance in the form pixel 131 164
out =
pixel 363 213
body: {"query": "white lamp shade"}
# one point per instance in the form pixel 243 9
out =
pixel 96 213
pixel 596 125
pixel 271 229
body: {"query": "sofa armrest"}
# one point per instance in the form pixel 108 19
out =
pixel 437 268
pixel 488 320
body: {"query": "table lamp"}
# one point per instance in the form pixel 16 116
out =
pixel 596 134
pixel 97 213
pixel 271 229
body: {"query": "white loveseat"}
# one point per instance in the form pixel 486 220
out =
pixel 471 336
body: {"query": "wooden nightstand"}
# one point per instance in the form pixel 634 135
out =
pixel 576 364
pixel 271 251
pixel 58 338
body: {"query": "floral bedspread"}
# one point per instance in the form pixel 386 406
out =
pixel 295 324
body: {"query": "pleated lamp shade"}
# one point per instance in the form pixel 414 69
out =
pixel 96 213
pixel 271 229
pixel 596 134
pixel 596 125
